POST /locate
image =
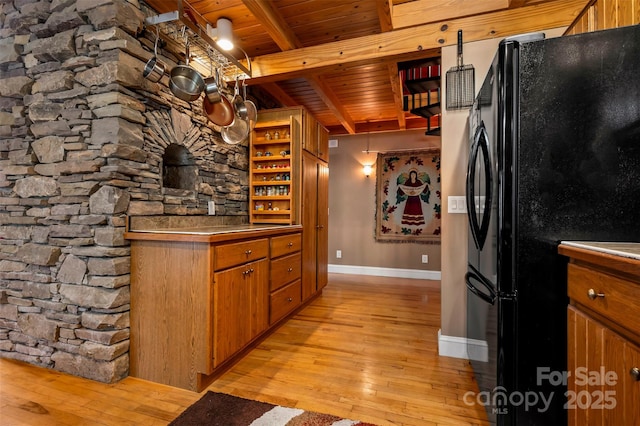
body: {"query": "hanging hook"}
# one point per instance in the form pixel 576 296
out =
pixel 155 46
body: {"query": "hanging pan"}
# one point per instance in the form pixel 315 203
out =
pixel 460 82
pixel 154 68
pixel 220 113
pixel 186 83
pixel 250 108
pixel 236 132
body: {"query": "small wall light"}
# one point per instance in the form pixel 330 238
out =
pixel 367 170
pixel 222 34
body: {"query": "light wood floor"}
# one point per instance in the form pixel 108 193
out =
pixel 366 350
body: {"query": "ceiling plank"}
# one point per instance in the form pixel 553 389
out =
pixel 285 38
pixel 555 14
pixel 428 11
pixel 333 103
pixel 280 95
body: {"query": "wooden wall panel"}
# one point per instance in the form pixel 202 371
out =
pixel 606 14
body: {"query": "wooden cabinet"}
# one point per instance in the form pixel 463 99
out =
pixel 316 139
pixel 199 301
pixel 603 338
pixel 315 217
pixel 285 283
pixel 240 297
pixel 309 186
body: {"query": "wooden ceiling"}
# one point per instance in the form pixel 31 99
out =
pixel 339 58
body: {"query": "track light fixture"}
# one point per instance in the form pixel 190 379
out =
pixel 222 34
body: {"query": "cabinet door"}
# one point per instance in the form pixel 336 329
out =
pixel 309 223
pixel 322 244
pixel 601 390
pixel 241 308
pixel 631 386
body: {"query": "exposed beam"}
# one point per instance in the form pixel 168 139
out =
pixel 282 34
pixel 409 41
pixel 421 12
pixel 273 23
pixel 327 96
pixel 384 15
pixel 396 87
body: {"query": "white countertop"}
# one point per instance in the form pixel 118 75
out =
pixel 630 250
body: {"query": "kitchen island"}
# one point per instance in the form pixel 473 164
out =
pixel 603 280
pixel 201 296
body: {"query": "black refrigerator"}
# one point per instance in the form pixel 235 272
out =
pixel 554 147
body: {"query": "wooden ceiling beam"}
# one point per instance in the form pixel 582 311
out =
pixel 273 23
pixel 286 39
pixel 327 96
pixel 421 12
pixel 396 87
pixel 409 41
pixel 384 15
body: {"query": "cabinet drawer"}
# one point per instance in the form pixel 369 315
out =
pixel 228 255
pixel 611 296
pixel 285 244
pixel 284 301
pixel 284 270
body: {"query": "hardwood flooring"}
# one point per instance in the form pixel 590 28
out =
pixel 366 349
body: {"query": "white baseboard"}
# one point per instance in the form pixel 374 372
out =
pixel 461 347
pixel 385 272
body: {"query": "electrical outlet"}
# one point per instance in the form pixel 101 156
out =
pixel 338 254
pixel 211 207
pixel 425 258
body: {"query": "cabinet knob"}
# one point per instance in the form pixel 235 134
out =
pixel 593 295
pixel 289 299
pixel 247 252
pixel 635 373
pixel 290 244
pixel 290 270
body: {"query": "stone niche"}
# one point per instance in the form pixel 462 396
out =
pixel 86 144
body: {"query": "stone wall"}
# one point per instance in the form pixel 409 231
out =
pixel 82 139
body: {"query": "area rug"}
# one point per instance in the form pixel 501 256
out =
pixel 219 409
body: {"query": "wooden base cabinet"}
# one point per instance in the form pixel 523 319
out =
pixel 198 302
pixel 603 338
pixel 300 152
pixel 603 388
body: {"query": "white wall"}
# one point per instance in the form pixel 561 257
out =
pixel 352 209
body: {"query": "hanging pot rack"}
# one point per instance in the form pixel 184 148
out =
pixel 180 27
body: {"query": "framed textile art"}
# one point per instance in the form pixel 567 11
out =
pixel 408 203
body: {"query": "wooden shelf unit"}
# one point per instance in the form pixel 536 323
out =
pixel 273 153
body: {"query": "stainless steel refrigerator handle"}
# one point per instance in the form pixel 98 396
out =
pixel 489 298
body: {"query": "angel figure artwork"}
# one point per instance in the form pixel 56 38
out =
pixel 414 191
pixel 408 197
